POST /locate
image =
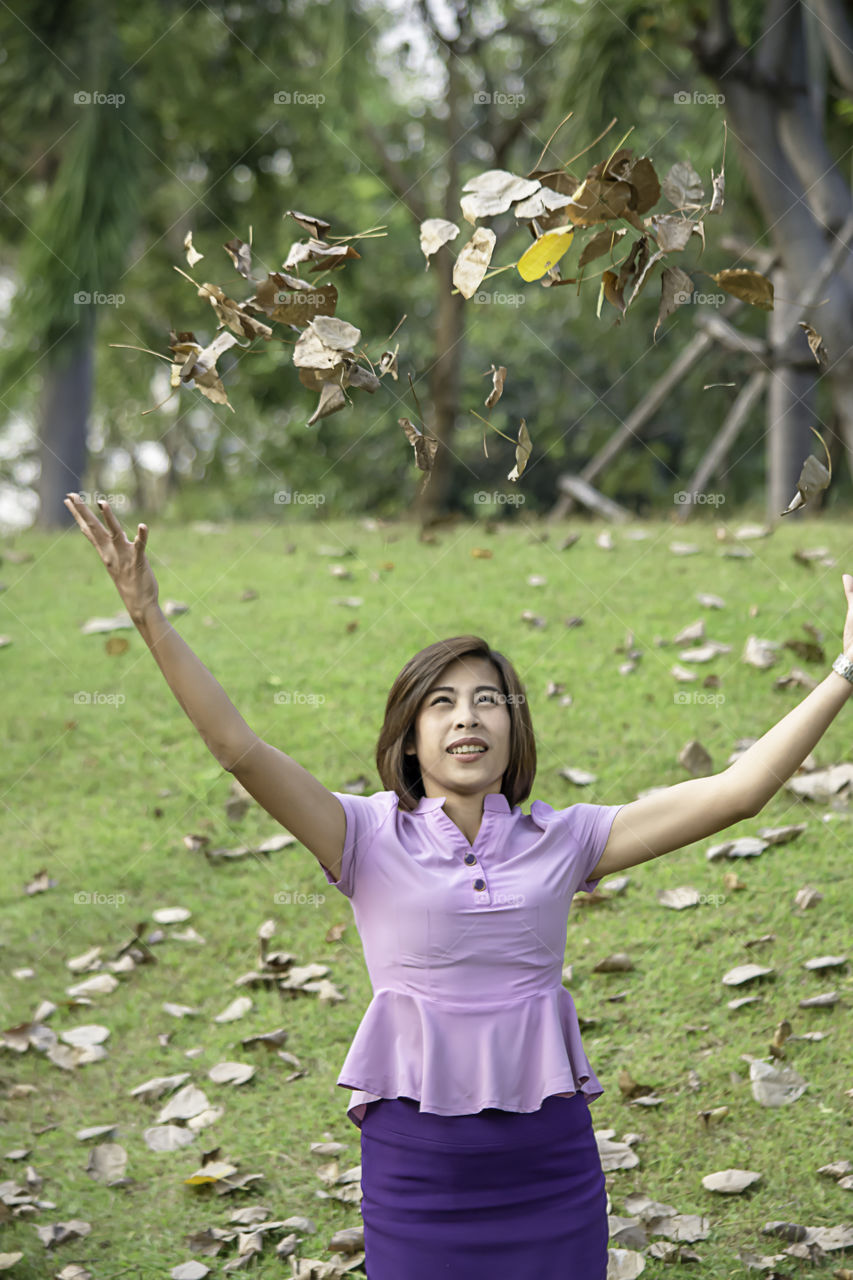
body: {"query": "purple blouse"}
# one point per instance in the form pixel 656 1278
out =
pixel 464 946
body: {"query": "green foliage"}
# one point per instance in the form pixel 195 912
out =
pixel 103 197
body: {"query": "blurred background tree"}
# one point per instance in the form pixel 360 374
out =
pixel 391 109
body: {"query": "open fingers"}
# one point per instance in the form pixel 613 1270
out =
pixel 115 529
pixel 139 542
pixel 83 518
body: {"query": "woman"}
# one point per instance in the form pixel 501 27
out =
pixel 470 1082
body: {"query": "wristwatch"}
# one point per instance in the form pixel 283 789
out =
pixel 844 666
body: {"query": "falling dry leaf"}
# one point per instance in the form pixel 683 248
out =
pixel 193 255
pixel 816 346
pixel 676 289
pixel 498 379
pixel 522 451
pixel 434 233
pixel 473 261
pixel 814 478
pixel 682 186
pixel 493 192
pixel 749 286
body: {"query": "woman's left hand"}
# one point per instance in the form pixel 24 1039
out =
pixel 847 643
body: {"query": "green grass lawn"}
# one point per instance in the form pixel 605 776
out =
pixel 101 795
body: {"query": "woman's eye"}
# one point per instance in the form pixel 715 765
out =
pixel 444 698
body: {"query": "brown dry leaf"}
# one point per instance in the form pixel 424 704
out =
pixel 760 653
pixel 825 962
pixel 40 883
pixel 434 233
pixel 542 203
pixel 676 288
pixel 88 960
pixel 814 478
pixel 326 257
pixel 289 300
pixel 522 451
pixel 321 347
pixel 781 835
pixel 493 192
pixel 602 242
pixel 683 187
pixel 423 445
pixel 598 200
pixel 388 362
pixel 231 1072
pixel 719 185
pixel 631 1088
pixel 193 255
pixel 695 759
pixel 775 1086
pixel 745 973
pixel 750 286
pixel 316 227
pixel 332 398
pixel 200 369
pixel 641 175
pixel 712 1117
pixel 681 896
pixel 578 777
pixel 240 254
pixel 473 261
pixel 271 1039
pixel 231 313
pixel 618 962
pixel 780 1035
pixel 643 269
pixel 730 1181
pixel 816 346
pixel 107 1162
pixel 612 291
pixel 672 233
pixel 498 379
pixel 212 1171
pixel 238 1008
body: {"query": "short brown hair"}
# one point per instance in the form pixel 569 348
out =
pixel 401 772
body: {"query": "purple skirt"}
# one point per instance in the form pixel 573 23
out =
pixel 497 1195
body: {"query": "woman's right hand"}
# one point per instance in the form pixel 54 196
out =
pixel 125 561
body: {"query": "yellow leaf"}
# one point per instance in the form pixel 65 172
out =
pixel 749 286
pixel 544 253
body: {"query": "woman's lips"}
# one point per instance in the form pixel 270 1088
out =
pixel 467 755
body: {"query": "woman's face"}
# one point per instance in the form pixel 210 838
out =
pixel 466 701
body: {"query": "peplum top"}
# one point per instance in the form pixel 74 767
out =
pixel 464 946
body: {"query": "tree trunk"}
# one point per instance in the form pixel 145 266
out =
pixel 65 405
pixel 795 182
pixel 791 399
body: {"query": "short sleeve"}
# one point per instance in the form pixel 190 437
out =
pixel 364 816
pixel 589 825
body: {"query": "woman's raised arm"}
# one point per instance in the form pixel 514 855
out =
pixel 288 792
pixel 226 734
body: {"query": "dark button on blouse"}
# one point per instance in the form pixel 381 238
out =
pixel 479 885
pixel 470 857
